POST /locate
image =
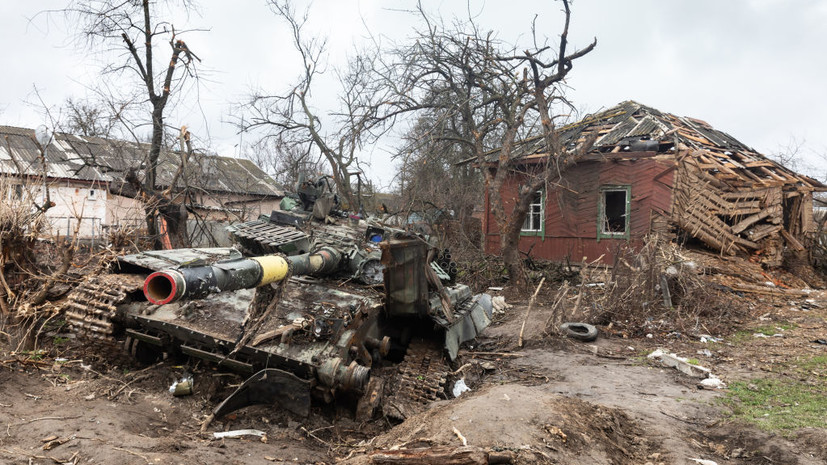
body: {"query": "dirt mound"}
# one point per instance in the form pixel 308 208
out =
pixel 736 441
pixel 530 422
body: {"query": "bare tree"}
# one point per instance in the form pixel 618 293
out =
pixel 285 162
pixel 294 120
pixel 495 98
pixel 138 32
pixel 431 174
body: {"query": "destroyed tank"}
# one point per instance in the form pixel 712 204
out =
pixel 309 306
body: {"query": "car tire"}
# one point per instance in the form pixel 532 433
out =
pixel 579 331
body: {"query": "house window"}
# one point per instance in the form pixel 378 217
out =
pixel 93 194
pixel 533 223
pixel 613 213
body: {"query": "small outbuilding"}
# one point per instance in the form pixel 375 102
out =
pixel 653 172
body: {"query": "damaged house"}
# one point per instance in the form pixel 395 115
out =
pixel 86 182
pixel 653 172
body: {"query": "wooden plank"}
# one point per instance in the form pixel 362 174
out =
pixel 760 232
pixel 746 223
pixel 793 242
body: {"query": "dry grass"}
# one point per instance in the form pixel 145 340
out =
pixel 648 290
pixel 34 269
pixel 657 287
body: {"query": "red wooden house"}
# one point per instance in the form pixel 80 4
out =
pixel 653 172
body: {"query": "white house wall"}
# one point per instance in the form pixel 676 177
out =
pixel 124 212
pixel 77 202
pixel 97 210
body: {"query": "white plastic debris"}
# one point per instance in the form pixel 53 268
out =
pixel 680 363
pixel 707 338
pixel 500 306
pixel 237 433
pixel 713 382
pixel 705 352
pixel 460 387
pixel 705 462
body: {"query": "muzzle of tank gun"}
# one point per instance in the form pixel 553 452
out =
pixel 167 286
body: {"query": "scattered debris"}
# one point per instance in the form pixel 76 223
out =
pixel 238 433
pixel 460 436
pixel 680 363
pixel 182 387
pixel 712 382
pixel 704 461
pixel 53 441
pixel 556 431
pixel 460 387
pixel 466 455
pixel 500 305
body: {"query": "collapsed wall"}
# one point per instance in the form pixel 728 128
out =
pixel 741 210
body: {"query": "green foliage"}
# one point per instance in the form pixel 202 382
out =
pixel 778 404
pixel 746 335
pixel 769 330
pixel 815 366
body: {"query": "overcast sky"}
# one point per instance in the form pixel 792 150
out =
pixel 755 69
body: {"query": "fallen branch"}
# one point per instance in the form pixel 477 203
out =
pixel 494 354
pixel 46 418
pixel 460 436
pixel 119 391
pixel 310 433
pixel 439 455
pixel 132 453
pixel 528 310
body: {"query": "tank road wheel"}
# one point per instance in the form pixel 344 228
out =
pixel 142 352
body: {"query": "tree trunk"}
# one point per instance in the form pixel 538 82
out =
pixel 510 248
pixel 150 173
pixel 175 216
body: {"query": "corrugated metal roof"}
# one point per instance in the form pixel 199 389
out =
pixel 108 160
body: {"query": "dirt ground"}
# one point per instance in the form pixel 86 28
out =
pixel 555 401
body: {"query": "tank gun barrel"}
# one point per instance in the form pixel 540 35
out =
pixel 171 285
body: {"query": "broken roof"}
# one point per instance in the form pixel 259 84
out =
pixel 108 160
pixel 632 127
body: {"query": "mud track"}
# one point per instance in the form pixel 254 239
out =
pixel 556 401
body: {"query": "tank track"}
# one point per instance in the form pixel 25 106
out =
pixel 419 380
pixel 91 306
